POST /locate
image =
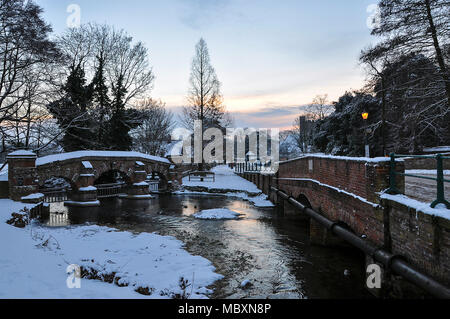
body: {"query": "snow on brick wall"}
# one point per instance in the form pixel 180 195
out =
pixel 361 178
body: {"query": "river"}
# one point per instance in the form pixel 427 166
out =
pixel 271 251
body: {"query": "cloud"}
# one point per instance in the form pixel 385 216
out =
pixel 269 117
pixel 198 14
pixel 273 111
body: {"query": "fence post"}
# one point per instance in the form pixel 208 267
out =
pixel 440 184
pixel 392 177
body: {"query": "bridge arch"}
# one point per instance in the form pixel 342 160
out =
pixel 111 177
pixel 163 182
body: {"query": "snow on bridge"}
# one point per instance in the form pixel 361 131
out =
pixel 106 154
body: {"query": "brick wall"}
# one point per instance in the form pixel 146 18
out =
pixel 365 179
pixel 362 217
pixel 423 239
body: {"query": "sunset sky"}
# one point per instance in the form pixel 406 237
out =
pixel 271 56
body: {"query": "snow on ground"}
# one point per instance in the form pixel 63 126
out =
pixel 426 172
pixel 87 189
pixel 420 206
pixel 4 174
pixel 34 261
pixel 226 179
pixel 74 155
pixel 219 213
pixel 437 149
pixel 234 186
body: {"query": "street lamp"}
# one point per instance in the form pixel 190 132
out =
pixel 365 116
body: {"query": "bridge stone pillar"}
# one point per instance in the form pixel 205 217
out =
pixel 22 174
pixel 138 188
pixel 86 193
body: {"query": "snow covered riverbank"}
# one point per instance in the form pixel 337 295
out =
pixel 227 183
pixel 34 260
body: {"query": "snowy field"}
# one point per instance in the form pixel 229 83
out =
pixel 229 184
pixel 34 260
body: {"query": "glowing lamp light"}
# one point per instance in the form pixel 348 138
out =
pixel 365 115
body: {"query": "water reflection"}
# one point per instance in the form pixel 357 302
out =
pixel 274 253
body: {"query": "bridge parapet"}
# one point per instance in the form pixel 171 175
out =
pixel 418 233
pixel 363 177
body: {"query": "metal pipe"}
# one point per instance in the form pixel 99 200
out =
pixel 396 263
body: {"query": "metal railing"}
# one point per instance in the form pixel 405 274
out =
pixel 153 186
pixel 440 180
pixel 110 190
pixel 55 195
pixel 249 167
pixel 202 177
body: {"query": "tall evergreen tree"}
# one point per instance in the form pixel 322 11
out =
pixel 101 103
pixel 71 112
pixel 119 125
pixel 342 133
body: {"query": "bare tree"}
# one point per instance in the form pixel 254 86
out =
pixel 319 109
pixel 25 54
pixel 24 47
pixel 122 57
pixel 421 28
pixel 153 135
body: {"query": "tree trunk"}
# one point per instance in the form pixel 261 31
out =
pixel 445 138
pixel 439 55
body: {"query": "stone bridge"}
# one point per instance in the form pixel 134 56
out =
pixel 350 191
pixel 27 173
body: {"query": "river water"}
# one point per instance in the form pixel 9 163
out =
pixel 271 251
